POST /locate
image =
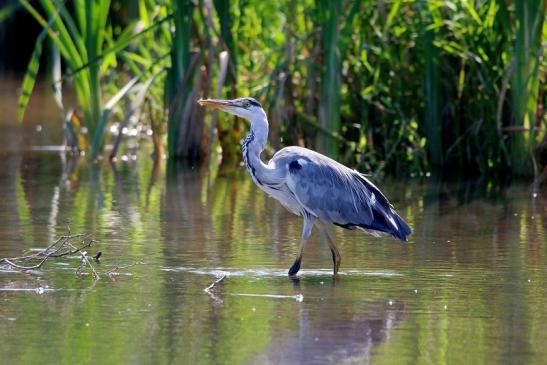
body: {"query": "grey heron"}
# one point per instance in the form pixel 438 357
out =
pixel 313 186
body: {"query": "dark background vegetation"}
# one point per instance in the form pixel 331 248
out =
pixel 403 87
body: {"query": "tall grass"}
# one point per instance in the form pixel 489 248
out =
pixel 530 16
pixel 81 35
pixel 230 128
pixel 329 109
pixel 80 40
pixel 432 123
pixel 179 77
pixel 401 86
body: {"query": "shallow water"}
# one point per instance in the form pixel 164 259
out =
pixel 469 286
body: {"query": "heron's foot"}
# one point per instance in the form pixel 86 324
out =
pixel 295 267
pixel 295 280
pixel 337 266
pixel 336 260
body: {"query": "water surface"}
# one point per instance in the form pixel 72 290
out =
pixel 468 287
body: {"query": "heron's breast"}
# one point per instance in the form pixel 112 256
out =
pixel 283 196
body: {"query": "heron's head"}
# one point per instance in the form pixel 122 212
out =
pixel 247 108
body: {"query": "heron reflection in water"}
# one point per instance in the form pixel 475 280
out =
pixel 313 186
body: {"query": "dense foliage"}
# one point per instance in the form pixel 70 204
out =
pixel 402 86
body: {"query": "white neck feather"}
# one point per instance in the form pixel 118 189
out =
pixel 252 148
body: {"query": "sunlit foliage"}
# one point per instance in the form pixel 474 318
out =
pixel 402 86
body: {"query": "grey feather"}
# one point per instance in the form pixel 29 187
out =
pixel 337 194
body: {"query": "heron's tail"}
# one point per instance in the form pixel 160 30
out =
pixel 385 219
pixel 388 221
pixel 403 230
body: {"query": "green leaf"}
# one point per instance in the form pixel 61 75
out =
pixel 471 9
pixel 393 12
pixel 54 35
pixel 136 104
pixel 98 135
pixel 118 46
pixel 32 72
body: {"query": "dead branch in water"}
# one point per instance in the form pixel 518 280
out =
pixel 115 270
pixel 209 289
pixel 212 286
pixel 85 261
pixel 70 244
pixel 62 247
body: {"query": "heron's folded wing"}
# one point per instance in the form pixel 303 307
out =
pixel 331 192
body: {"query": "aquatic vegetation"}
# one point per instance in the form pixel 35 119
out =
pixel 397 86
pixel 85 42
pixel 528 60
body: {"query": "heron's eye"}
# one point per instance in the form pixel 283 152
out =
pixel 246 104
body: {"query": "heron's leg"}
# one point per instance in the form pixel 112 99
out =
pixel 306 231
pixel 336 258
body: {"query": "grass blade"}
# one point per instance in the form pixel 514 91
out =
pixel 30 77
pixel 432 91
pixel 99 131
pixel 135 105
pixel 118 46
pixel 329 110
pixel 32 72
pixel 530 16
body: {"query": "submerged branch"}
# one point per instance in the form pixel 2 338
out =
pixel 65 245
pixel 209 289
pixel 62 247
pixel 115 270
pixel 212 286
pixel 37 266
pixel 85 261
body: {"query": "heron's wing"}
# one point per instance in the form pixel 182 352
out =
pixel 339 195
pixel 329 193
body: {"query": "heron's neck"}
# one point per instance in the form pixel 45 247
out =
pixel 252 148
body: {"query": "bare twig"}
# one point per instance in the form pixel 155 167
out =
pixel 37 266
pixel 209 289
pixel 115 270
pixel 61 247
pixel 216 282
pixel 86 261
pixel 74 249
pixel 61 241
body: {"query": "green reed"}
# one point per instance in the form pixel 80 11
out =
pixel 530 16
pixel 84 38
pixel 402 86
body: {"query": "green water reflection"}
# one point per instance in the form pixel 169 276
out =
pixel 469 287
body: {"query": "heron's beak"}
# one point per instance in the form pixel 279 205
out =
pixel 216 104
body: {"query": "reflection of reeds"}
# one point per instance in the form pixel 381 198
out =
pixel 492 256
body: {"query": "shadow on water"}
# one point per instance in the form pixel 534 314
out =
pixel 333 334
pixel 469 286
